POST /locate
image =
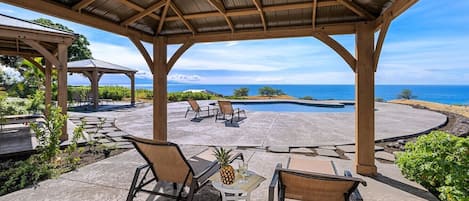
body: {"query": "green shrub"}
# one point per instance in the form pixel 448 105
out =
pixel 241 92
pixel 183 96
pixel 143 94
pixel 440 162
pixel 307 98
pixel 406 94
pixel 13 106
pixel 36 102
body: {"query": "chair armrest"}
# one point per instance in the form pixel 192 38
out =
pixel 355 196
pixel 274 182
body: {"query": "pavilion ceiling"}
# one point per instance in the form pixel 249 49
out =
pixel 218 20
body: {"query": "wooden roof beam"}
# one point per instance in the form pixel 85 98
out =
pixel 337 47
pixel 163 17
pixel 258 4
pixel 59 11
pixel 144 13
pixel 180 15
pixel 380 42
pixel 179 52
pixel 254 34
pixel 218 4
pixel 142 51
pixel 357 9
pixel 315 8
pixel 82 4
pixel 396 8
pixel 138 8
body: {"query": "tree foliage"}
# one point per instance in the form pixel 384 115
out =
pixel 406 94
pixel 440 162
pixel 269 91
pixel 241 92
pixel 79 49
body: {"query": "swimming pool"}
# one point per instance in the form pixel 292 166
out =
pixel 291 107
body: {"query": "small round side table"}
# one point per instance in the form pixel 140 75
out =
pixel 238 190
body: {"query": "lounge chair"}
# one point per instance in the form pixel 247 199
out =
pixel 194 106
pixel 168 164
pixel 225 108
pixel 313 180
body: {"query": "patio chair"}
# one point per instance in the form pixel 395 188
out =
pixel 168 164
pixel 194 106
pixel 227 109
pixel 313 180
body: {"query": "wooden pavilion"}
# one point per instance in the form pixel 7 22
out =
pixel 29 40
pixel 94 69
pixel 186 22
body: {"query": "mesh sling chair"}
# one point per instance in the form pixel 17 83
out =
pixel 227 109
pixel 298 184
pixel 194 106
pixel 167 163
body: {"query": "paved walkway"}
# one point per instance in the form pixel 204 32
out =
pixel 109 180
pixel 262 129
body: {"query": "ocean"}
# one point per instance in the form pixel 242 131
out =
pixel 448 94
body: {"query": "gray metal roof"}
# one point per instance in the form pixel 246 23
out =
pixel 6 20
pixel 94 63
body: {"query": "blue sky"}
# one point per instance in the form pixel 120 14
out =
pixel 428 44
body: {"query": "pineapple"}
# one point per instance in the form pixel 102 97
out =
pixel 227 173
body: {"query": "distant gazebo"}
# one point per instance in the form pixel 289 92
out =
pixel 94 69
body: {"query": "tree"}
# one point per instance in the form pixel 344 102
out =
pixel 241 92
pixel 79 49
pixel 269 91
pixel 406 94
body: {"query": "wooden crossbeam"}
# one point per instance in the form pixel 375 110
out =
pixel 357 9
pixel 380 42
pixel 180 15
pixel 144 13
pixel 163 17
pixel 315 8
pixel 258 4
pixel 336 46
pixel 218 4
pixel 142 51
pixel 179 53
pixel 138 8
pixel 41 49
pixel 254 34
pixel 396 8
pixel 82 4
pixel 250 11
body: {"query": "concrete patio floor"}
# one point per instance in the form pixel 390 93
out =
pixel 109 180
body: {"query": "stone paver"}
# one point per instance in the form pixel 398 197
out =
pixel 385 156
pixel 278 149
pixel 307 151
pixel 327 152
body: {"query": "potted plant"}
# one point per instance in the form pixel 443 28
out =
pixel 227 173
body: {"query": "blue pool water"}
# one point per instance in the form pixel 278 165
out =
pixel 290 107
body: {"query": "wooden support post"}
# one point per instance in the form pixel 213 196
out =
pixel 62 91
pixel 95 88
pixel 132 88
pixel 48 85
pixel 364 101
pixel 160 102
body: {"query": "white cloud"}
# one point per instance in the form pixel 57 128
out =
pixel 121 55
pixel 184 78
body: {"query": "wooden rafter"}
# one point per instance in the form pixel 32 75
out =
pixel 144 13
pixel 163 17
pixel 258 4
pixel 138 8
pixel 41 49
pixel 337 47
pixel 36 64
pixel 218 4
pixel 82 4
pixel 142 51
pixel 180 15
pixel 396 8
pixel 357 9
pixel 179 53
pixel 380 42
pixel 315 8
pixel 243 12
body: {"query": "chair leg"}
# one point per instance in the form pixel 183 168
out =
pixel 187 111
pixel 132 192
